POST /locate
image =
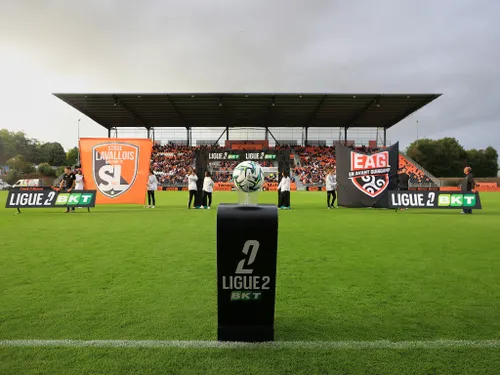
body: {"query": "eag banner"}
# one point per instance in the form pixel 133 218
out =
pixel 117 168
pixel 365 178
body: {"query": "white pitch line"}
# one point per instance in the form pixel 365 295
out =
pixel 339 345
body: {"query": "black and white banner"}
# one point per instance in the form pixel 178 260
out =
pixel 365 178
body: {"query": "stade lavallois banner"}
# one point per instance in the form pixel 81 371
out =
pixel 117 168
pixel 365 178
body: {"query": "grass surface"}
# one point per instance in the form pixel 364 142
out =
pixel 124 272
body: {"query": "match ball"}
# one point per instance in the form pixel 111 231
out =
pixel 248 177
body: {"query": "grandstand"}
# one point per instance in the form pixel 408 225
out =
pixel 329 114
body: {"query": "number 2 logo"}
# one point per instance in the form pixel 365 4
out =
pixel 250 249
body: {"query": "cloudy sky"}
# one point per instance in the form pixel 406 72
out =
pixel 335 46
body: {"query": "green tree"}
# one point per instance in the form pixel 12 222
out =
pixel 12 177
pixel 17 163
pixel 423 152
pixel 72 156
pixel 484 163
pixel 46 170
pixel 59 171
pixel 8 146
pixel 36 155
pixel 443 157
pixel 29 168
pixel 53 153
pixel 447 158
pixel 2 151
pixel 452 156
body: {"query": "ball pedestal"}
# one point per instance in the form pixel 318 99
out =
pixel 247 244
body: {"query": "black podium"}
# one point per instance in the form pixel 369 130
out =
pixel 247 244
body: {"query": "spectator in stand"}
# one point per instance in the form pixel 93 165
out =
pixel 172 162
pixel 314 160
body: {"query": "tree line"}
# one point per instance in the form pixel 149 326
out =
pixel 21 154
pixel 446 157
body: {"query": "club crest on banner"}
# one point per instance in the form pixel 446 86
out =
pixel 370 173
pixel 114 167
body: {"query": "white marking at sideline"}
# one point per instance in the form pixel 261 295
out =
pixel 382 344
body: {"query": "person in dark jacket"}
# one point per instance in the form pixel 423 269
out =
pixel 403 181
pixel 68 184
pixel 468 186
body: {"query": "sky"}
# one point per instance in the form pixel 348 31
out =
pixel 335 46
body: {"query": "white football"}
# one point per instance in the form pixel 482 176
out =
pixel 248 177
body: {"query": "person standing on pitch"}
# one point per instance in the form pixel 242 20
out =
pixel 279 190
pixel 192 186
pixel 152 187
pixel 331 188
pixel 208 188
pixel 403 180
pixel 68 184
pixel 79 184
pixel 468 185
pixel 284 188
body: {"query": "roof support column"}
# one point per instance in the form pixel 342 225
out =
pixel 227 133
pixel 345 135
pixel 385 137
pixel 188 135
pixel 306 135
pixel 109 132
pixel 276 143
pixel 218 139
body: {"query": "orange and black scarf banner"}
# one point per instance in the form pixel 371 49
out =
pixel 118 168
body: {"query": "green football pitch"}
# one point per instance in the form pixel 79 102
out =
pixel 359 291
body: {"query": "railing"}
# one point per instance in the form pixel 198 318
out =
pixel 425 171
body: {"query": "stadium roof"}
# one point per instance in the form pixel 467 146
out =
pixel 240 109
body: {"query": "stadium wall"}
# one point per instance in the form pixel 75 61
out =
pixel 490 184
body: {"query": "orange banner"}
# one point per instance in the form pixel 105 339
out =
pixel 118 168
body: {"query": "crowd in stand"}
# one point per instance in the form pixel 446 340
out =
pixel 172 162
pixel 312 163
pixel 314 160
